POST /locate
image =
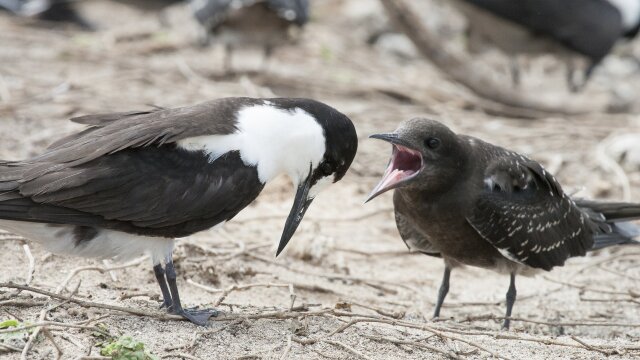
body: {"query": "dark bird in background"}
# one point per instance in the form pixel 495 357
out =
pixel 241 23
pixel 61 11
pixel 473 203
pixel 586 28
pixel 133 181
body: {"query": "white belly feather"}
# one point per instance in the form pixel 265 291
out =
pixel 108 244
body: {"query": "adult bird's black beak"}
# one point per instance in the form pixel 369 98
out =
pixel 300 205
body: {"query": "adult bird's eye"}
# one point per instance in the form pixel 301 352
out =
pixel 432 143
pixel 326 168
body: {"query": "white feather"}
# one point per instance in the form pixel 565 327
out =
pixel 630 11
pixel 320 185
pixel 275 140
pixel 108 244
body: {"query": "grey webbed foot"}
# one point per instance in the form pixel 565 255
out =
pixel 198 317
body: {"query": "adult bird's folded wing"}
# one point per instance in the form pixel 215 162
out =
pixel 146 184
pixel 151 191
pixel 115 132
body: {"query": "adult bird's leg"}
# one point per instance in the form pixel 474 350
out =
pixel 198 317
pixel 166 296
pixel 511 299
pixel 442 293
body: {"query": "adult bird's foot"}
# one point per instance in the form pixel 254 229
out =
pixel 165 304
pixel 506 325
pixel 198 317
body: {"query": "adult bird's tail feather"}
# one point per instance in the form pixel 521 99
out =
pixel 615 222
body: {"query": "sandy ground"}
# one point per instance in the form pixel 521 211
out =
pixel 345 256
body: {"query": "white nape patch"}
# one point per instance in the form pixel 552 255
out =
pixel 320 185
pixel 629 10
pixel 274 140
pixel 108 244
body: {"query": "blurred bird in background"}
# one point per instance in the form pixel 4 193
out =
pixel 242 23
pixel 571 29
pixel 60 11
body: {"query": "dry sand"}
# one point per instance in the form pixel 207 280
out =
pixel 344 252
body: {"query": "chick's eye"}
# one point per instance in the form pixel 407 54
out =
pixel 326 168
pixel 432 143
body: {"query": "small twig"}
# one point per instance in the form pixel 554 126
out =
pixel 371 282
pixel 585 288
pixel 181 355
pixel 593 348
pixel 358 217
pixel 10 348
pixel 129 295
pixel 48 323
pixel 24 303
pixel 33 335
pixel 49 336
pixel 438 332
pixel 378 253
pixel 70 339
pixel 100 269
pixel 325 355
pixel 383 312
pixel 197 335
pixel 609 164
pixel 348 348
pixel 598 263
pixel 89 304
pixel 293 296
pixel 412 343
pixel 112 273
pixel 548 323
pixel 285 353
pixel 609 300
pixel 42 328
pixel 32 263
pixel 232 288
pixel 619 273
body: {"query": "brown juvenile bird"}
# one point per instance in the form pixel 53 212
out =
pixel 474 203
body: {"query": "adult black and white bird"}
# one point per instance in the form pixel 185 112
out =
pixel 133 181
pixel 587 28
pixel 474 203
pixel 241 23
pixel 61 11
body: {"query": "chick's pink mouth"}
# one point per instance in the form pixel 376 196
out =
pixel 405 163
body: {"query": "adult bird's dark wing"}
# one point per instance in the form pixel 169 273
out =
pixel 524 213
pixel 127 174
pixel 216 117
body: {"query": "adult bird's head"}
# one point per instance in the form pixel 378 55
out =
pixel 321 146
pixel 426 155
pixel 310 141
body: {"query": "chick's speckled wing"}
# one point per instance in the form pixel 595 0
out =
pixel 524 213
